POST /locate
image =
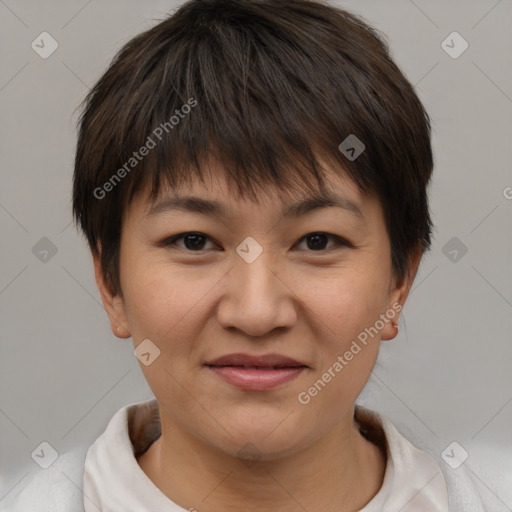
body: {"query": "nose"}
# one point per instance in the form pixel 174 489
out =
pixel 256 298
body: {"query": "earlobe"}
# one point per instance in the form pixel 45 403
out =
pixel 390 331
pixel 397 297
pixel 113 304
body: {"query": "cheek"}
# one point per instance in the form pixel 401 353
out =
pixel 347 307
pixel 167 305
pixel 161 297
pixel 344 301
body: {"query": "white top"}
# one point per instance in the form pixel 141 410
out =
pixel 112 480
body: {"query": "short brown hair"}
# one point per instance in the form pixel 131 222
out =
pixel 265 86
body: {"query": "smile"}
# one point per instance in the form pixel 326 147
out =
pixel 256 373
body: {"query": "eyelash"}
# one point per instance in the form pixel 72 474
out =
pixel 171 241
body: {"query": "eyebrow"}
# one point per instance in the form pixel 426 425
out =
pixel 210 207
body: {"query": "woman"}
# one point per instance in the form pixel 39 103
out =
pixel 252 177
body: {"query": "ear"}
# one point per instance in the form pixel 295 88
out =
pixel 398 295
pixel 114 304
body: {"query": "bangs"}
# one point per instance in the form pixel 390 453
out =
pixel 237 91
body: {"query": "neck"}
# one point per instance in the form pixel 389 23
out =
pixel 341 472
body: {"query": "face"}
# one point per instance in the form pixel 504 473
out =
pixel 267 318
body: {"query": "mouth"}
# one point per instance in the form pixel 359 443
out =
pixel 256 373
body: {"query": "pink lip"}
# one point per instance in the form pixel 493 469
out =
pixel 256 373
pixel 253 379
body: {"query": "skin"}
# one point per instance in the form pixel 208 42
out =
pixel 295 300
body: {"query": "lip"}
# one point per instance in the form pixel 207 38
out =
pixel 256 373
pixel 247 360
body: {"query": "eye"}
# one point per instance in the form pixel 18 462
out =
pixel 194 242
pixel 316 241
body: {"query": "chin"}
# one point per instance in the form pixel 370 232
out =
pixel 261 435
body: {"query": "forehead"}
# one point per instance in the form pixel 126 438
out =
pixel 217 196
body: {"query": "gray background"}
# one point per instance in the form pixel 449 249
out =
pixel 445 378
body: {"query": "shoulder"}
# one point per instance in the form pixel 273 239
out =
pixel 56 489
pixel 466 491
pixel 472 487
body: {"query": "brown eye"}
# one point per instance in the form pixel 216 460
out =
pixel 194 242
pixel 318 241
